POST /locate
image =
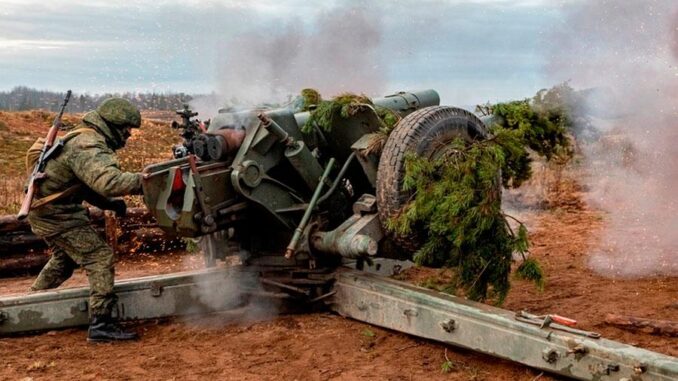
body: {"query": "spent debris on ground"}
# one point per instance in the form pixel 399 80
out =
pixel 456 203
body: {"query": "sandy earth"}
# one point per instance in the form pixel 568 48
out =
pixel 323 346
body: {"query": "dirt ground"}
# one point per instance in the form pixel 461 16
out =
pixel 319 346
pixel 324 346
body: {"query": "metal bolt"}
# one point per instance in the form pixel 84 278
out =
pixel 578 351
pixel 448 325
pixel 208 220
pixel 82 306
pixel 156 290
pixel 640 369
pixel 550 355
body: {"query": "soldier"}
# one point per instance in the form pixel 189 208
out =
pixel 86 169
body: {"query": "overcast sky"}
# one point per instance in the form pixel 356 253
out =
pixel 469 50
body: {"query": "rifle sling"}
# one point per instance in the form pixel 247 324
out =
pixel 56 196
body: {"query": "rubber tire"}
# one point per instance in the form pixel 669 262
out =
pixel 426 132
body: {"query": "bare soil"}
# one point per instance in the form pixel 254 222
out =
pixel 323 346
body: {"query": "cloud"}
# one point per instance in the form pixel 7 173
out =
pixel 470 50
pixel 12 46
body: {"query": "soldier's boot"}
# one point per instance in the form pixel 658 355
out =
pixel 103 329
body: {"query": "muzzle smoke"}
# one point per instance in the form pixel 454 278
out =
pixel 628 50
pixel 335 52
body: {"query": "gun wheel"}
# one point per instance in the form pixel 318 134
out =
pixel 427 132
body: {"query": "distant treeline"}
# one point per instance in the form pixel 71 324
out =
pixel 23 98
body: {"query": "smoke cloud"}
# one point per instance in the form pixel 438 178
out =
pixel 234 299
pixel 628 51
pixel 333 53
pixel 234 296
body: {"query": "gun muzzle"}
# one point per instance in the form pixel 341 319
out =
pixel 222 142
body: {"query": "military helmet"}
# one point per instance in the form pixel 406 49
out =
pixel 120 113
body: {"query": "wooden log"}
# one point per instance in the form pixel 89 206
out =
pixel 146 240
pixel 133 214
pixel 18 240
pixel 9 223
pixel 137 232
pixel 29 263
pixel 156 241
pixel 17 236
pixel 143 237
pixel 651 326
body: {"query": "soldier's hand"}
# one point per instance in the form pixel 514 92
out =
pixel 119 207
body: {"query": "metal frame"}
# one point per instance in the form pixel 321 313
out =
pixel 493 331
pixel 140 298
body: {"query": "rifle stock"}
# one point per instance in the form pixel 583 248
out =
pixel 38 170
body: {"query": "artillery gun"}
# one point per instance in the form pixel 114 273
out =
pixel 303 209
pixel 314 192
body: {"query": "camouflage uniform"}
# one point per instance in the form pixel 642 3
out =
pixel 87 159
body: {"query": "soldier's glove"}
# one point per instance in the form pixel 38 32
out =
pixel 118 206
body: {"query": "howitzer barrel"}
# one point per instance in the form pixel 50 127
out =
pixel 401 102
pixel 404 102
